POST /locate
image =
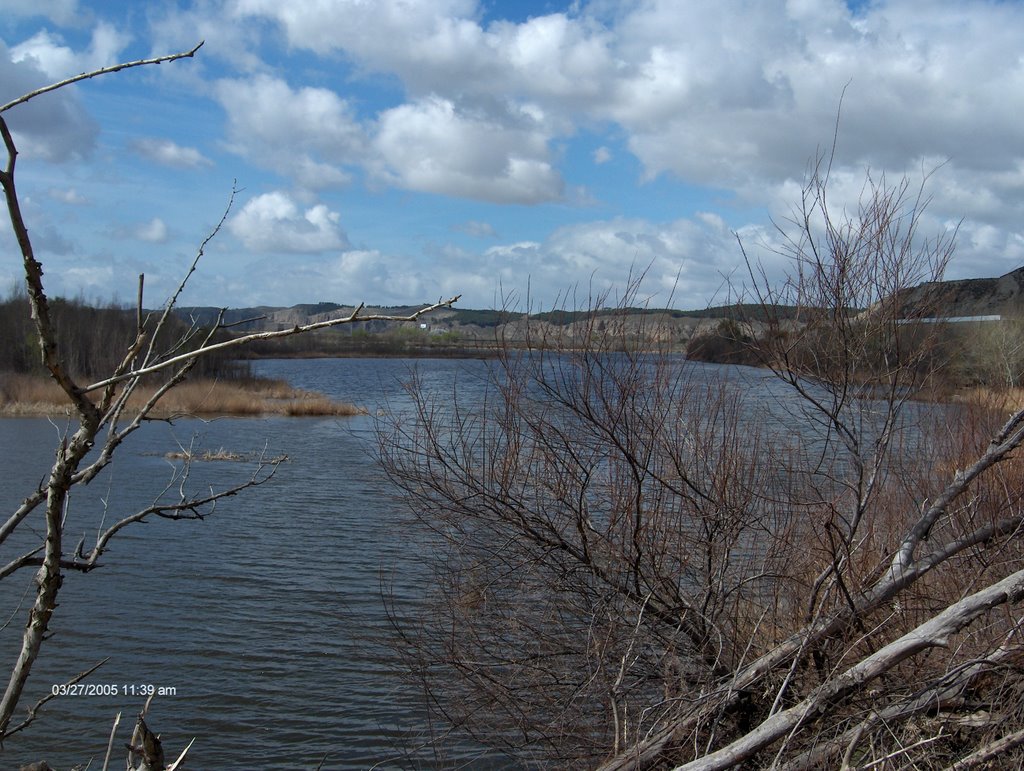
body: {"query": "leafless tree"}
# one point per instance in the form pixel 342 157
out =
pixel 100 407
pixel 643 563
pixel 994 351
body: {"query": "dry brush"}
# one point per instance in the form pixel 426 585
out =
pixel 644 563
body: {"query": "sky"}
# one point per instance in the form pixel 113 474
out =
pixel 523 154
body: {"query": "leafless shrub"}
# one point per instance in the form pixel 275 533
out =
pixel 642 564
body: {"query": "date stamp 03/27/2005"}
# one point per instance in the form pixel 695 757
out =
pixel 112 689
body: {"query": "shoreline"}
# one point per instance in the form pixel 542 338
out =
pixel 38 396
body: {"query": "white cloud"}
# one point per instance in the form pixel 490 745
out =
pixel 430 146
pixel 226 41
pixel 370 29
pixel 154 231
pixel 168 153
pixel 309 134
pixel 57 61
pixel 446 50
pixel 58 11
pixel 353 276
pixel 312 136
pixel 684 263
pixel 57 128
pixel 738 96
pixel 721 93
pixel 272 222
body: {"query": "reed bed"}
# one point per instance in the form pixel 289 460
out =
pixel 1002 398
pixel 29 395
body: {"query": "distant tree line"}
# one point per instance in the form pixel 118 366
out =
pixel 744 311
pixel 378 340
pixel 973 353
pixel 93 339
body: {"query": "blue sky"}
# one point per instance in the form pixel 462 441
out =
pixel 398 151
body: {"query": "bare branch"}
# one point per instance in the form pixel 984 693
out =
pixel 237 342
pixel 102 71
pixel 933 633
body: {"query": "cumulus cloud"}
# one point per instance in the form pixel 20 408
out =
pixel 308 134
pixel 432 147
pixel 312 136
pixel 57 128
pixel 273 222
pixel 684 263
pixel 352 276
pixel 370 29
pixel 721 94
pixel 446 50
pixel 177 27
pixel 168 153
pixel 717 92
pixel 57 60
pixel 755 110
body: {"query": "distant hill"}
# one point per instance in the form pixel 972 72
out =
pixel 266 318
pixel 457 329
pixel 263 318
pixel 1002 296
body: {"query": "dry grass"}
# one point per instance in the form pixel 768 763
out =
pixel 27 395
pixel 1002 399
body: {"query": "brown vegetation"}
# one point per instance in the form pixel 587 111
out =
pixel 33 395
pixel 640 565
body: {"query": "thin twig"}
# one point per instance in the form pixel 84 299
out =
pixel 102 71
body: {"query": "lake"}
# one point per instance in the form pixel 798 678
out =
pixel 264 624
pixel 265 620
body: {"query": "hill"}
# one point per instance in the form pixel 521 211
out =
pixel 457 331
pixel 965 298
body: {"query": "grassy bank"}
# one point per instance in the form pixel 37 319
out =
pixel 34 395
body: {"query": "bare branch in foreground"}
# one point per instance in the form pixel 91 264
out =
pixel 99 423
pixel 356 315
pixel 102 71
